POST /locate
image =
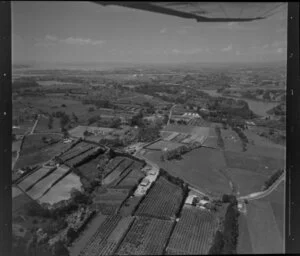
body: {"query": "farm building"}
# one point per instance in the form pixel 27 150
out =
pixel 190 114
pixel 191 199
pixel 203 202
pixel 78 131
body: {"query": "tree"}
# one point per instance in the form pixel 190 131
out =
pixel 137 120
pixel 64 120
pixel 50 122
pixel 91 109
pixel 59 249
pixel 74 117
pixel 115 123
pixel 71 234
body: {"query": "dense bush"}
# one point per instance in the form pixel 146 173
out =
pixel 225 241
pixel 220 141
pixel 178 152
pixel 273 178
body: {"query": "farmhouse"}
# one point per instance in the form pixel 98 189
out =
pixel 191 199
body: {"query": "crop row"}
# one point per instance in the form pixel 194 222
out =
pixel 78 145
pixel 147 236
pixel 133 177
pixel 116 173
pixel 132 172
pixel 193 232
pixel 162 201
pixel 113 163
pixel 75 153
pixel 82 157
pixel 180 137
pixel 98 243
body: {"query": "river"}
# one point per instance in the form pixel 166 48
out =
pixel 258 107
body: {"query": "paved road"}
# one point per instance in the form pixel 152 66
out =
pixel 170 114
pixel 259 195
pixel 35 124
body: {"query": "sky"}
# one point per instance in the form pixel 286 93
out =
pixel 74 32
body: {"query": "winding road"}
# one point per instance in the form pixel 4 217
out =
pixel 261 194
pixel 170 114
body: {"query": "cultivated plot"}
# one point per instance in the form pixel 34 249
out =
pixel 34 177
pixel 162 201
pixel 263 229
pixel 62 190
pixel 198 168
pixel 105 240
pixel 41 187
pixel 193 233
pixel 147 236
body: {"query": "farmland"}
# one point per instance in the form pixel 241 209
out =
pixel 40 156
pixel 231 140
pixel 116 173
pixel 42 186
pixel 160 145
pixel 89 169
pixel 87 234
pixel 162 201
pixel 199 168
pixel 136 212
pixel 62 190
pixel 43 125
pixel 129 205
pixel 147 236
pixel 105 240
pixel 108 201
pixel 132 178
pixel 34 177
pixel 253 162
pixel 78 149
pixel 264 233
pixel 247 182
pixel 193 232
pixel 35 142
pixel 261 229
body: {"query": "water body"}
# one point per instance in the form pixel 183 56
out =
pixel 258 107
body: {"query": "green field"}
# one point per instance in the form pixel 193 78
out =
pixel 42 126
pixel 264 232
pixel 231 140
pixel 160 145
pixel 40 156
pixel 199 168
pixel 261 229
pixel 253 162
pixel 246 181
pixel 87 234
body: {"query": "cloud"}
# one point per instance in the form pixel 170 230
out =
pixel 279 43
pixel 227 49
pixel 236 26
pixel 280 50
pixel 81 41
pixel 265 46
pixel 194 51
pixel 281 30
pixel 163 31
pixel 237 52
pixel 175 51
pixel 50 40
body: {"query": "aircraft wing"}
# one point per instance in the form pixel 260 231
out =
pixel 207 11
